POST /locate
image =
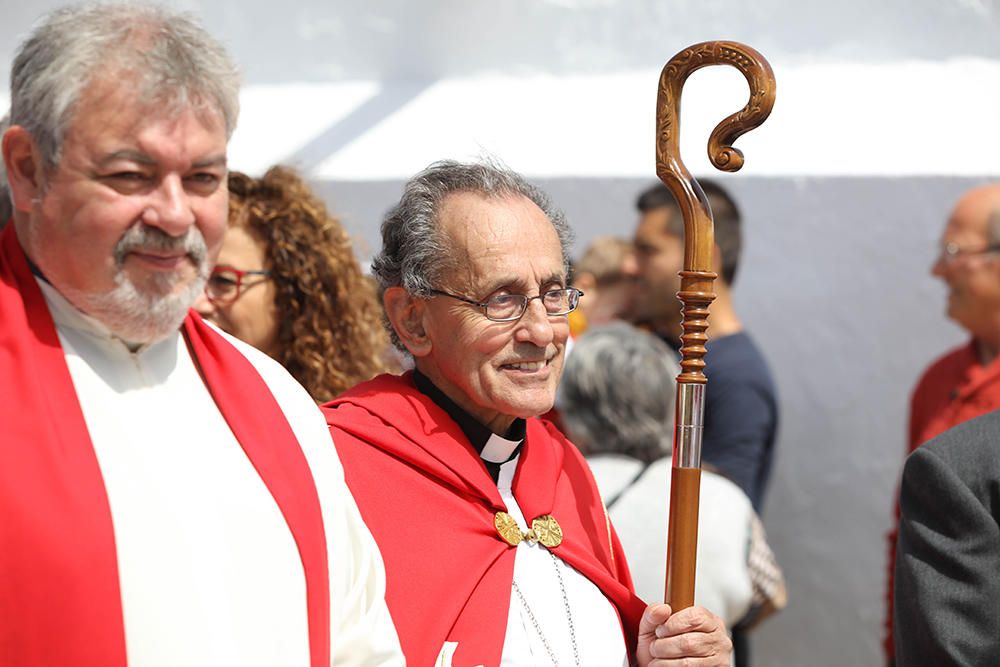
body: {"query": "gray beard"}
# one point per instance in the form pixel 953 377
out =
pixel 138 316
pixel 149 314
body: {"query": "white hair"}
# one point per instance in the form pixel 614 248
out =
pixel 168 58
pixel 617 392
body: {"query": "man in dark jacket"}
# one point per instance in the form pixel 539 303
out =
pixel 947 595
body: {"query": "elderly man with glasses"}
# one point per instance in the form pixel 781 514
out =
pixel 965 382
pixel 497 546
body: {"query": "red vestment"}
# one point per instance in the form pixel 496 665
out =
pixel 60 601
pixel 429 501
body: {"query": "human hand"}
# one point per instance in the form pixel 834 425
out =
pixel 692 637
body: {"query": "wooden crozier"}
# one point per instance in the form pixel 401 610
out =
pixel 697 278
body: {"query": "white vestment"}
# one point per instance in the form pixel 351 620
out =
pixel 554 609
pixel 210 574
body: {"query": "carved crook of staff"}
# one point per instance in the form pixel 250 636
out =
pixel 697 278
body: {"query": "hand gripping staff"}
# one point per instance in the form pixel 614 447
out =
pixel 697 277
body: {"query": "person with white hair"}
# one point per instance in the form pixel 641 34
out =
pixel 169 496
pixel 617 401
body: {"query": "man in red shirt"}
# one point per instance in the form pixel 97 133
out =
pixel 965 382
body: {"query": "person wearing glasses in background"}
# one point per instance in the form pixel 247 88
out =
pixel 288 283
pixel 497 547
pixel 965 382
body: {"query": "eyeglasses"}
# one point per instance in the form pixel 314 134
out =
pixel 510 307
pixel 226 284
pixel 951 252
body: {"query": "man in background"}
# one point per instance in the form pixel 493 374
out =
pixel 965 382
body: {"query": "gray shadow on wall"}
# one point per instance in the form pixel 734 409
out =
pixel 366 116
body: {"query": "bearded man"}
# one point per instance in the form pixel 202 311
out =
pixel 169 496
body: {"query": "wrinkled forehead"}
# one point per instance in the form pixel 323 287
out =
pixel 472 220
pixel 500 240
pixel 122 94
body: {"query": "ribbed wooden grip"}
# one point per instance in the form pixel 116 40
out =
pixel 696 295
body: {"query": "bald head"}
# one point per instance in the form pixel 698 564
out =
pixel 969 264
pixel 978 212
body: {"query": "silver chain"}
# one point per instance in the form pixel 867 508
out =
pixel 569 614
pixel 569 617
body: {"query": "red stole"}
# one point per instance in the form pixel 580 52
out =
pixel 429 501
pixel 60 601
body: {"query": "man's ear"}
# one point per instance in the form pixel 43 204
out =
pixel 406 314
pixel 24 167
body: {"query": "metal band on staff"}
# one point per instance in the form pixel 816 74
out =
pixel 697 278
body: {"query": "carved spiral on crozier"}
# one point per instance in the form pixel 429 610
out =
pixel 694 336
pixel 759 77
pixel 728 159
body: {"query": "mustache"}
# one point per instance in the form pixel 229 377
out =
pixel 142 237
pixel 530 353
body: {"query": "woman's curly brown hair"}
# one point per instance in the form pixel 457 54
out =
pixel 330 334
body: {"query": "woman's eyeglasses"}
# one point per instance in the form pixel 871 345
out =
pixel 226 284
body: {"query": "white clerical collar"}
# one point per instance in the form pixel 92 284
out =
pixel 499 449
pixel 66 315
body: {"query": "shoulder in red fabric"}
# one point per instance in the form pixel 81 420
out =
pixel 429 501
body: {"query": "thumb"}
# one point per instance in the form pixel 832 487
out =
pixel 655 615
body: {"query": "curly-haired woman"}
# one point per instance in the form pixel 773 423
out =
pixel 288 283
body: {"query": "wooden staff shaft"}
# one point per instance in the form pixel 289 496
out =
pixel 697 278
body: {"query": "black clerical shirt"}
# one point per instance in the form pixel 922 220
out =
pixel 477 434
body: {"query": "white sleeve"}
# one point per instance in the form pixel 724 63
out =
pixel 362 632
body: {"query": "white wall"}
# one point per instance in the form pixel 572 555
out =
pixel 834 283
pixel 330 40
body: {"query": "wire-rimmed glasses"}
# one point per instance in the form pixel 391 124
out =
pixel 510 307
